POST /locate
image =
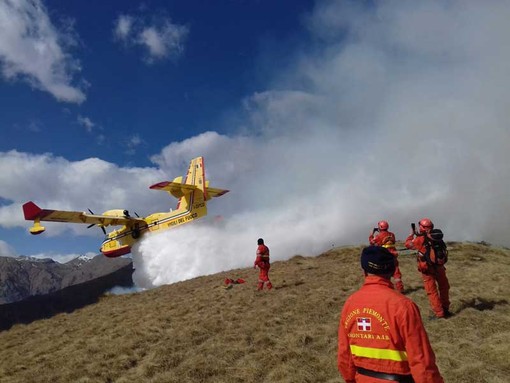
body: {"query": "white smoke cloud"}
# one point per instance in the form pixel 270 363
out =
pixel 405 117
pixel 399 113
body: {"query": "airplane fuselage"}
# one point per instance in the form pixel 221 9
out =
pixel 120 241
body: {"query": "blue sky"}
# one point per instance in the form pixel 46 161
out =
pixel 128 98
pixel 322 117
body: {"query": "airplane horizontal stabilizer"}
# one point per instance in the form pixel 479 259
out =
pixel 178 190
pixel 213 192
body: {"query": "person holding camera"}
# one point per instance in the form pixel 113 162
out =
pixel 386 238
pixel 432 271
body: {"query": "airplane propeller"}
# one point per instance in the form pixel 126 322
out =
pixel 102 227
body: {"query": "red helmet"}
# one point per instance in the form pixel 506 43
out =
pixel 425 224
pixel 383 225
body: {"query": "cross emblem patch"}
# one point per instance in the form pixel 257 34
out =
pixel 364 324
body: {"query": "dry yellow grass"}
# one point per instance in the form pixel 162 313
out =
pixel 197 331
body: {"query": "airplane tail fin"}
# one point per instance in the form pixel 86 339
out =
pixel 194 190
pixel 34 213
pixel 31 211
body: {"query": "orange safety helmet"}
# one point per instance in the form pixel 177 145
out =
pixel 383 225
pixel 425 225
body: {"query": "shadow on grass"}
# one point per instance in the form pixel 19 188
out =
pixel 481 304
pixel 65 300
pixel 409 290
pixel 285 285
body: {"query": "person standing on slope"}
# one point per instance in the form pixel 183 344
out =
pixel 386 238
pixel 262 262
pixel 381 337
pixel 432 274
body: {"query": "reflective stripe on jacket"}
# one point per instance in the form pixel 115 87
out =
pixel 385 239
pixel 381 330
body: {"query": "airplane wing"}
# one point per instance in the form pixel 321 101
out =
pixel 33 212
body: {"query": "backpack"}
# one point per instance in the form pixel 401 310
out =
pixel 436 252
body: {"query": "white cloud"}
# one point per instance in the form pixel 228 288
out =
pixel 32 49
pixel 6 250
pixel 132 143
pixel 86 123
pixel 34 126
pixel 61 258
pixel 160 38
pixel 123 27
pixel 134 140
pixel 55 183
pixel 100 139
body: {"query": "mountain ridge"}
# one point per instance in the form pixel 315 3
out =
pixel 22 277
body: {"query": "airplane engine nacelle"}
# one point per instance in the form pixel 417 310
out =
pixel 116 213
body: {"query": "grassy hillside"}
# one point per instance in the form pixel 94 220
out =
pixel 198 331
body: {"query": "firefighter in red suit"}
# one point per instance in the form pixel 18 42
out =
pixel 381 337
pixel 386 238
pixel 431 274
pixel 262 262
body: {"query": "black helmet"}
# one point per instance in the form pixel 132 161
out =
pixel 260 241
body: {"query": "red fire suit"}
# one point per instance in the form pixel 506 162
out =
pixel 386 239
pixel 262 262
pixel 431 274
pixel 381 331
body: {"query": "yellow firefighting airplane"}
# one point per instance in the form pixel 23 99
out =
pixel 193 195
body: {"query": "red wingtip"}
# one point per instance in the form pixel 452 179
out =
pixel 31 211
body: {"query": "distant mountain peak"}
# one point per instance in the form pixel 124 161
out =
pixel 81 258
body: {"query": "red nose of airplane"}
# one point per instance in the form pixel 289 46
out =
pixel 117 252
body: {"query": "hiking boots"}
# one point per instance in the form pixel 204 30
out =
pixel 446 314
